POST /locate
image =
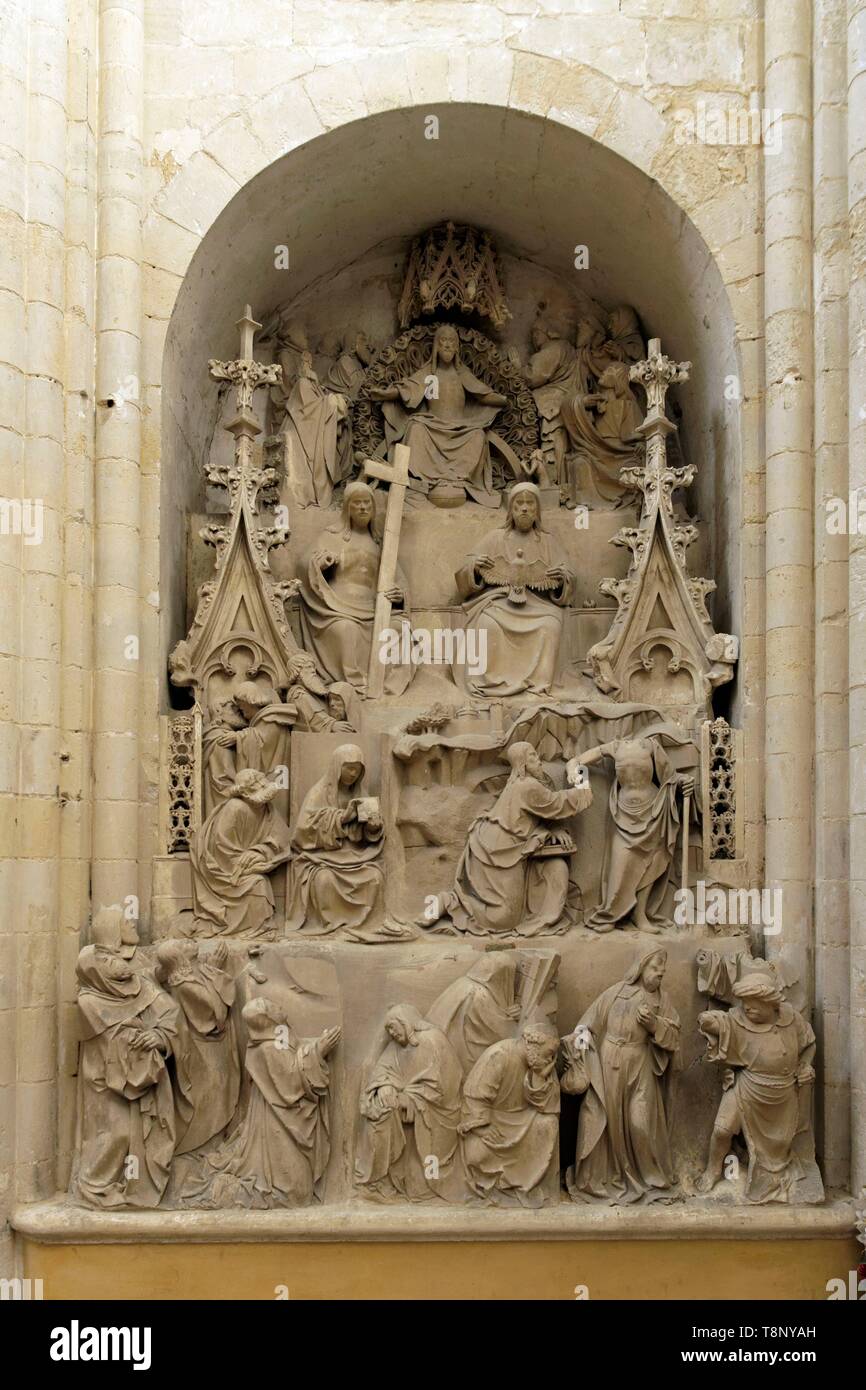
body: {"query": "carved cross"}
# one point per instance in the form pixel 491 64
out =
pixel 246 373
pixel 656 373
pixel 397 475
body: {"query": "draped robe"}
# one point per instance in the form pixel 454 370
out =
pixel 445 449
pixel 522 639
pixel 478 1008
pixel 207 1061
pixel 510 1148
pixel 639 845
pixel 335 881
pixel 426 1075
pixel 125 1104
pixel 623 1138
pixel 228 901
pixel 279 1152
pixel 501 886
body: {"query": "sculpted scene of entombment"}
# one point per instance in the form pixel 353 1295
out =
pixel 454 903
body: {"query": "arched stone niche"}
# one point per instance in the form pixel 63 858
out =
pixel 346 205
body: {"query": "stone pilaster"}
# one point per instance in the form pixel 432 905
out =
pixel 789 775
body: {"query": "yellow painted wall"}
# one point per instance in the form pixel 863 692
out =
pixel 659 1269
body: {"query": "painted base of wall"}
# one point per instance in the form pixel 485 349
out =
pixel 608 1269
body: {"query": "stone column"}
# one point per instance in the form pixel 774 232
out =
pixel 118 455
pixel 857 574
pixel 832 970
pixel 790 787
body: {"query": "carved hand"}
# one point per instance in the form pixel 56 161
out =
pixel 328 1041
pixel 687 786
pixel 324 559
pixel 394 594
pixel 557 573
pixel 219 955
pixel 646 1017
pixel 226 740
pixel 708 1023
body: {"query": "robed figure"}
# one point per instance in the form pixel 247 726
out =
pixel 479 1008
pixel 513 876
pixel 620 1058
pixel 335 878
pixel 206 1055
pixel 313 421
pixel 338 596
pixel 126 1116
pixel 232 855
pixel 514 590
pixel 278 1154
pixel 510 1120
pixel 410 1109
pixel 641 833
pixel 442 413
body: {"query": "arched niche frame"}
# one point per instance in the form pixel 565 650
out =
pixel 346 204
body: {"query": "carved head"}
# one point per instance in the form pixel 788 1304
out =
pixel 589 334
pixel 113 931
pixel 524 508
pixel 358 508
pixel 759 998
pixel 254 787
pixel 446 344
pixel 540 1045
pixel 402 1023
pixel 524 760
pixel 250 698
pixel 653 971
pixel 615 378
pixel 302 669
pixel 174 961
pixel 227 714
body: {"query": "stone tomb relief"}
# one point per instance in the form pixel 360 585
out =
pixel 435 789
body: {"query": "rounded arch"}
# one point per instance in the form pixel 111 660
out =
pixel 364 187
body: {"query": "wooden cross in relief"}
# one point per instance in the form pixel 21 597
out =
pixel 397 474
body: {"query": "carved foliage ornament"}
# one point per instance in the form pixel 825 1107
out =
pixel 452 268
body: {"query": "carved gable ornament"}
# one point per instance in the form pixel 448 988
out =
pixel 453 268
pixel 240 628
pixel 662 645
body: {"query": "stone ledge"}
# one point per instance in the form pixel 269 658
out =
pixel 61 1222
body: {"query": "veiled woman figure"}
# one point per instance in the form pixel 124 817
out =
pixel 231 856
pixel 335 878
pixel 338 596
pixel 641 833
pixel 514 590
pixel 278 1154
pixel 128 1027
pixel 621 1057
pixel 410 1109
pixel 480 1007
pixel 441 413
pixel 206 1056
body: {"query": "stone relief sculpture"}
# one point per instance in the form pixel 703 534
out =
pixel 514 874
pixel 621 1058
pixel 321 707
pixel 510 1120
pixel 336 877
pixel 768 1048
pixel 514 589
pixel 459 1100
pixel 480 1007
pixel 126 1112
pixel 551 374
pixel 441 413
pixel 338 597
pixel 206 1055
pixel 643 828
pixel 239 845
pixel 410 1110
pixel 314 421
pixel 278 1155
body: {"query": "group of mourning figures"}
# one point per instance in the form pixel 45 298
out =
pixel 461 1104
